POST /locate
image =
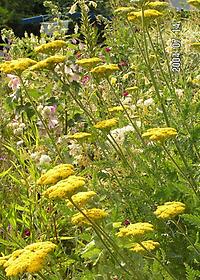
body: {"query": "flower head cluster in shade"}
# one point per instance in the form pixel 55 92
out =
pixel 124 10
pixel 148 245
pixel 160 133
pixel 88 62
pixel 65 188
pixel 157 5
pixel 79 135
pixel 30 259
pixel 104 70
pixel 170 210
pixel 148 15
pixel 81 198
pixel 56 174
pixel 94 214
pixel 195 45
pixel 118 108
pixel 16 66
pixel 106 123
pixel 51 46
pixel 48 63
pixel 137 229
pixel 195 3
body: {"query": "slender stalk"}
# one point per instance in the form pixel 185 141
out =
pixel 157 259
pixel 179 169
pixel 186 237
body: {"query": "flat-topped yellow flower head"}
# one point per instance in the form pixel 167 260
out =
pixel 104 70
pixel 88 62
pixel 79 135
pixel 30 259
pixel 56 174
pixel 65 188
pixel 51 46
pixel 48 63
pixel 195 45
pixel 149 14
pixel 118 108
pixel 16 66
pixel 94 214
pixel 157 5
pixel 160 133
pixel 124 10
pixel 195 3
pixel 106 124
pixel 137 229
pixel 148 245
pixel 170 210
pixel 81 198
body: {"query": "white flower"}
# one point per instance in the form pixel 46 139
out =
pixel 148 102
pixel 44 159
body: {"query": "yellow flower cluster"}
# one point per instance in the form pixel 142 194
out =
pixel 79 135
pixel 30 259
pixel 195 3
pixel 149 245
pixel 106 123
pixel 94 214
pixel 81 198
pixel 51 46
pixel 118 108
pixel 170 210
pixel 65 188
pixel 131 89
pixel 136 229
pixel 157 5
pixel 49 62
pixel 124 10
pixel 195 45
pixel 56 174
pixel 105 70
pixel 16 66
pixel 160 133
pixel 88 62
pixel 148 14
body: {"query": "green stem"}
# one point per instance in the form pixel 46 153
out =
pixel 41 119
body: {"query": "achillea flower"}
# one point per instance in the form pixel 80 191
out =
pixel 160 133
pixel 88 62
pixel 124 10
pixel 106 123
pixel 81 198
pixel 131 89
pixel 30 259
pixel 65 188
pixel 136 229
pixel 148 14
pixel 56 174
pixel 170 210
pixel 195 3
pixel 105 70
pixel 48 63
pixel 94 214
pixel 79 135
pixel 157 5
pixel 195 45
pixel 150 245
pixel 117 108
pixel 16 66
pixel 51 46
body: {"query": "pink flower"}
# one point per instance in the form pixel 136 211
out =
pixel 107 49
pixel 14 83
pixel 123 63
pixel 85 79
pixel 125 93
